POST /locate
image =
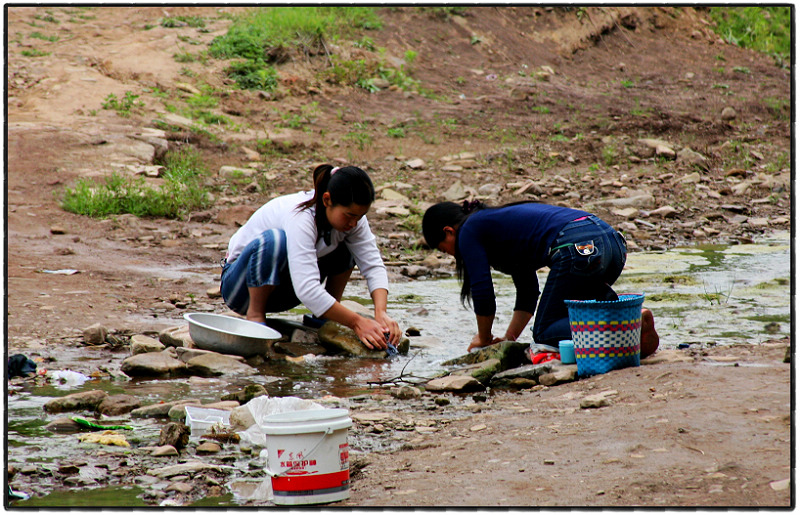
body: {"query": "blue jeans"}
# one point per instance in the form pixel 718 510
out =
pixel 586 258
pixel 264 261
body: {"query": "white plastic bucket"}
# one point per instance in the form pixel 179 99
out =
pixel 308 457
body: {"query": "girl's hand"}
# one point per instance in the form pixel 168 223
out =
pixel 389 326
pixel 370 332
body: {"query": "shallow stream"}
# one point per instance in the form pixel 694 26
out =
pixel 700 296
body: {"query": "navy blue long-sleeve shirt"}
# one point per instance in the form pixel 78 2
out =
pixel 515 240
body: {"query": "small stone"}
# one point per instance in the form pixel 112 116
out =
pixel 783 484
pixel 164 451
pixel 95 334
pixel 478 427
pixel 415 164
pixel 728 113
pixel 141 344
pixel 57 229
pixel 208 448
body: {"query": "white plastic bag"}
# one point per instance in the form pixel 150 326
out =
pixel 67 378
pixel 264 406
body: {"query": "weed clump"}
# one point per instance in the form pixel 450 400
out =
pixel 183 191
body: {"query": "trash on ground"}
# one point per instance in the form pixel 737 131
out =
pixel 63 271
pixel 105 438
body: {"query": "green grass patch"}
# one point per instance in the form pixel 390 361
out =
pixel 182 191
pixel 253 74
pixel 39 35
pixel 766 29
pixel 183 21
pixel 34 52
pixel 123 106
pixel 266 28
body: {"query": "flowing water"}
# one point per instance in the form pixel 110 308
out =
pixel 702 295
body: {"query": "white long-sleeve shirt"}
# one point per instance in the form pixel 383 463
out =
pixel 304 248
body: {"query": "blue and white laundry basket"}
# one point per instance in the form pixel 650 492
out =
pixel 606 334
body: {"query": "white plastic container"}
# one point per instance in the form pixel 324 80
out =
pixel 308 457
pixel 200 419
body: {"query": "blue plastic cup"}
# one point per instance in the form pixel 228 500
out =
pixel 567 351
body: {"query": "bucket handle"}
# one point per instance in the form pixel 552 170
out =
pixel 305 455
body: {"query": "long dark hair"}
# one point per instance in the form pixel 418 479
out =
pixel 450 214
pixel 347 185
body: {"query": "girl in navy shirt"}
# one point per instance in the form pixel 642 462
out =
pixel 585 256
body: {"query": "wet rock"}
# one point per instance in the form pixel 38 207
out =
pixel 510 354
pixel 235 215
pixel 141 344
pixel 161 409
pixel 176 337
pixel 483 371
pixel 186 355
pixel 454 384
pixel 81 401
pixel 246 394
pixel 174 434
pixel 164 451
pixel 414 270
pixel 153 364
pixel 299 348
pixel 728 114
pixel 560 374
pixel 520 383
pixel 214 364
pixel 119 404
pixel 180 487
pixel 63 425
pixel 208 448
pixel 190 467
pixel 69 469
pixel 95 334
pixel 532 372
pixel 406 392
pixel 342 339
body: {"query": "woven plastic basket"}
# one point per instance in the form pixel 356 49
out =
pixel 606 334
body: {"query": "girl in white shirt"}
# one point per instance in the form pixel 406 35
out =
pixel 291 244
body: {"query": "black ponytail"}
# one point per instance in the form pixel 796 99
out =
pixel 450 214
pixel 347 185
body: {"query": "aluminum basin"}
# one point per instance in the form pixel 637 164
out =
pixel 230 335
